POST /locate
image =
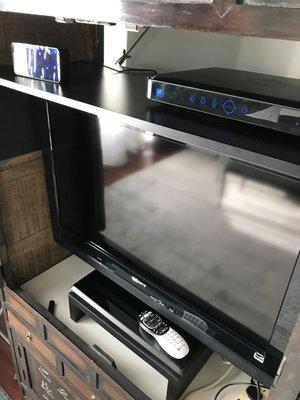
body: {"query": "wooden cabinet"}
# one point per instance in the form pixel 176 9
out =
pixel 39 380
pixel 51 367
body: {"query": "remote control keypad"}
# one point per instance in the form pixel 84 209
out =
pixel 175 340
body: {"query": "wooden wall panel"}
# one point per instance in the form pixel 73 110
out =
pixel 25 217
pixel 24 207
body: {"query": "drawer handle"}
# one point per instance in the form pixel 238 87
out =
pixel 29 337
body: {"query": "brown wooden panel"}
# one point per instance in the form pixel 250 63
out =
pixel 35 254
pixel 81 386
pixel 46 384
pixel 22 309
pixel 42 376
pixel 24 205
pixel 68 350
pixel 245 20
pixel 23 197
pixel 21 166
pixel 28 335
pixel 25 217
pixel 112 389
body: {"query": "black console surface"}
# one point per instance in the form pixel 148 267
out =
pixel 122 96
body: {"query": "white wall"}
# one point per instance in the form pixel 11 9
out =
pixel 171 50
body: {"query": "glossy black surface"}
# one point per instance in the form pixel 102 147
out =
pixel 262 87
pixel 21 120
pixel 125 95
pixel 221 235
pixel 277 117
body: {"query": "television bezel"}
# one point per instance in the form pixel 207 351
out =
pixel 233 347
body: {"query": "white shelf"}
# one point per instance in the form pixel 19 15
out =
pixel 55 284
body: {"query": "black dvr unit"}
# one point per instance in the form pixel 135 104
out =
pixel 259 99
pixel 117 311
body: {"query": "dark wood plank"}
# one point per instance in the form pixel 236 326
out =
pixel 22 309
pixel 64 346
pixel 79 385
pixel 273 22
pixel 33 340
pixel 214 16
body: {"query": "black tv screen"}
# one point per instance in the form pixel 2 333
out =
pixel 220 235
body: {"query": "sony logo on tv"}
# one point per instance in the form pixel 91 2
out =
pixel 136 280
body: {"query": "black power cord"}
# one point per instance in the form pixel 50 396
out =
pixel 121 71
pixel 259 394
pixel 118 71
pixel 256 385
pixel 126 54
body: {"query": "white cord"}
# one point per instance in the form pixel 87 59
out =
pixel 212 385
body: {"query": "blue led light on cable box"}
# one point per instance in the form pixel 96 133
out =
pixel 159 92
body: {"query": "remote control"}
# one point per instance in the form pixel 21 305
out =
pixel 168 339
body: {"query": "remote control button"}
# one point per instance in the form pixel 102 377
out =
pixel 151 321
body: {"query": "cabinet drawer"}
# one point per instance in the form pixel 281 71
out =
pixel 68 350
pixel 46 384
pixel 31 337
pixel 22 309
pixel 81 386
pixel 111 389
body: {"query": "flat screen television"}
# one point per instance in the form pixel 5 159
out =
pixel 210 242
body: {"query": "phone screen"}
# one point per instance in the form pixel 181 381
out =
pixel 34 61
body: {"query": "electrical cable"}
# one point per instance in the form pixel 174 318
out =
pixel 258 387
pixel 119 71
pixel 140 69
pixel 258 391
pixel 232 384
pixel 211 385
pixel 125 56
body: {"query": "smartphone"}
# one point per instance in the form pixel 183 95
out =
pixel 38 62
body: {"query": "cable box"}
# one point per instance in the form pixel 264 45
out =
pixel 259 99
pixel 118 311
